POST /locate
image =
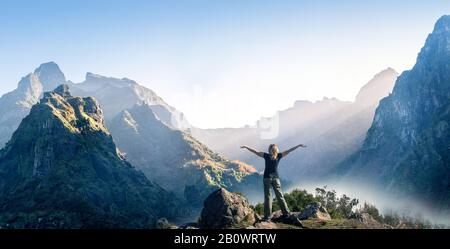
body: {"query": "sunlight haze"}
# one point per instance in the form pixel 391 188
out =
pixel 222 63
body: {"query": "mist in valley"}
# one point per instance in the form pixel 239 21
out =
pixel 386 203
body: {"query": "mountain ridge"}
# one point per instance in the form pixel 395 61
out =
pixel 405 149
pixel 331 128
pixel 61 169
pixel 16 104
pixel 177 160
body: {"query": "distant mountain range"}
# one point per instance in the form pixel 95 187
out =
pixel 14 106
pixel 61 169
pixel 116 95
pixel 331 128
pixel 150 132
pixel 407 148
pixel 176 160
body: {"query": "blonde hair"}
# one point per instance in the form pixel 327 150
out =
pixel 273 150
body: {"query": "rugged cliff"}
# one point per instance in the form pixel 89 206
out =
pixel 61 169
pixel 407 147
pixel 176 160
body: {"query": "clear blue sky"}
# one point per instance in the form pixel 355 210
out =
pixel 224 63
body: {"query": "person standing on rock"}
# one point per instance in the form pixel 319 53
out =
pixel 271 177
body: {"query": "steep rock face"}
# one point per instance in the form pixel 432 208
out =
pixel 406 148
pixel 175 159
pixel 195 166
pixel 16 105
pixel 376 89
pixel 332 129
pixel 61 169
pixel 50 76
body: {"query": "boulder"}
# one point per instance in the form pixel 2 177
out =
pixel 265 225
pixel 163 223
pixel 367 220
pixel 189 226
pixel 291 219
pixel 315 211
pixel 223 209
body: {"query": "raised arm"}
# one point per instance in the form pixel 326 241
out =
pixel 285 153
pixel 258 153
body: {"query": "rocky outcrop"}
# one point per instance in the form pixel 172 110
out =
pixel 367 221
pixel 163 223
pixel 312 211
pixel 315 211
pixel 61 169
pixel 223 209
pixel 290 219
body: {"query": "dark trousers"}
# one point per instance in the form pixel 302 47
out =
pixel 273 182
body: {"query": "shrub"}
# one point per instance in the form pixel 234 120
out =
pixel 338 207
pixel 373 211
pixel 297 200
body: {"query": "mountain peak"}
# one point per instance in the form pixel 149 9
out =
pixel 389 70
pixel 100 80
pixel 50 75
pixel 442 25
pixel 378 87
pixel 63 147
pixel 63 90
pixel 437 44
pixel 90 75
pixel 75 113
pixel 48 67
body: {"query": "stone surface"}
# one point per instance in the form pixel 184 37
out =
pixel 223 209
pixel 369 222
pixel 316 211
pixel 163 223
pixel 265 225
pixel 291 219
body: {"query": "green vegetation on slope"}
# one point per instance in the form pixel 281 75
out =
pixel 345 212
pixel 61 169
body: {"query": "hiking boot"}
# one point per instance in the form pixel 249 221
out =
pixel 265 219
pixel 299 223
pixel 285 216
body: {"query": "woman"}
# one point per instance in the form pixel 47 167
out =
pixel 271 177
